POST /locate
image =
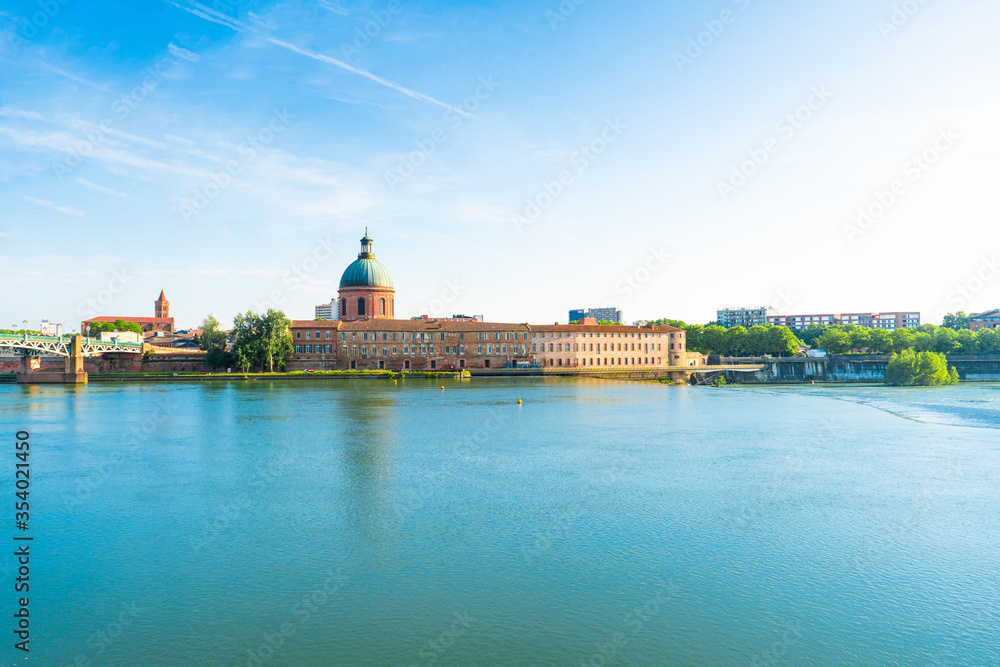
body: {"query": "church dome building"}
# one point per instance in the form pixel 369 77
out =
pixel 366 291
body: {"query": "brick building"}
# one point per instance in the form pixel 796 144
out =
pixel 890 321
pixel 366 337
pixel 160 322
pixel 986 320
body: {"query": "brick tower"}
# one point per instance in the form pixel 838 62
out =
pixel 162 306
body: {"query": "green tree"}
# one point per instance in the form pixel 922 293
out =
pixel 968 342
pixel 923 342
pixel 781 342
pixel 928 369
pixel 213 341
pixel 713 339
pixel 834 341
pixel 756 341
pixel 94 329
pixel 262 341
pixel 880 341
pixel 811 333
pixel 860 338
pixel 902 339
pixel 945 340
pixel 956 321
pixel 735 341
pixel 989 341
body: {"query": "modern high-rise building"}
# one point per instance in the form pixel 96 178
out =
pixel 326 311
pixel 609 314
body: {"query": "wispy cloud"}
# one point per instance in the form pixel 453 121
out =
pixel 73 77
pixel 333 7
pixel 65 210
pixel 100 188
pixel 182 53
pixel 210 14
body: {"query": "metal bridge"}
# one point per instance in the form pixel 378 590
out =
pixel 62 345
pixel 74 348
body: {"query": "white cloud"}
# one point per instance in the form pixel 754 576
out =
pixel 65 210
pixel 100 188
pixel 182 53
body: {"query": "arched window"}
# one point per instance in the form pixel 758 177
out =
pixel 361 306
pixel 343 308
pixel 381 307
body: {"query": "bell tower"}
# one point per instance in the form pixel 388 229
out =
pixel 162 306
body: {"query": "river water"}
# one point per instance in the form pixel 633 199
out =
pixel 600 523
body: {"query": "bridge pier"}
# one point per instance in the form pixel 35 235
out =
pixel 74 373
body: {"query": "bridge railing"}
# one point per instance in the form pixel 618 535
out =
pixel 66 339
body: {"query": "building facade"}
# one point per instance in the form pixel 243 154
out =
pixel 744 317
pixel 161 322
pixel 890 321
pixel 324 311
pixel 987 320
pixel 431 344
pixel 610 314
pixel 366 339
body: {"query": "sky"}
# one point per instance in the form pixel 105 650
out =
pixel 515 160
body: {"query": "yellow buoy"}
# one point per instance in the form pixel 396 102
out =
pixel 442 387
pixel 519 401
pixel 395 382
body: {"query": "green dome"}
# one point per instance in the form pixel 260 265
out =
pixel 367 272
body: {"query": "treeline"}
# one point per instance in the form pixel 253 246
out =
pixel 835 339
pixel 738 341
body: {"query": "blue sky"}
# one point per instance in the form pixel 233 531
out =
pixel 514 160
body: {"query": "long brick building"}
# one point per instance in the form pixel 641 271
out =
pixel 368 338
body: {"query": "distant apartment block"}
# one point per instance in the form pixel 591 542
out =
pixel 325 311
pixel 600 314
pixel 988 320
pixel 745 317
pixel 890 321
pixel 49 328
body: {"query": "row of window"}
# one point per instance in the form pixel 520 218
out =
pixel 500 348
pixel 583 347
pixel 633 361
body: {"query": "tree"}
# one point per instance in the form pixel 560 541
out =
pixel 756 341
pixel 928 369
pixel 989 341
pixel 262 341
pixel 811 333
pixel 967 341
pixel 945 340
pixel 734 341
pixel 956 321
pixel 782 342
pixel 834 341
pixel 880 341
pixel 902 339
pixel 713 339
pixel 95 329
pixel 213 341
pixel 923 342
pixel 860 338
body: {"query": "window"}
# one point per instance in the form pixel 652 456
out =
pixel 461 350
pixel 328 334
pixel 343 337
pixel 461 336
pixel 309 349
pixel 385 351
pixel 361 306
pixel 298 334
pixel 394 350
pixel 505 348
pixel 364 350
pixel 354 336
pixel 533 346
pixel 480 351
pixel 308 335
pixel 343 350
pixel 298 348
pixel 432 348
pixel 343 307
pixel 423 349
pixel 354 350
pixel 381 307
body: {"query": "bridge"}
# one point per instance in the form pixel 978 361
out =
pixel 74 348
